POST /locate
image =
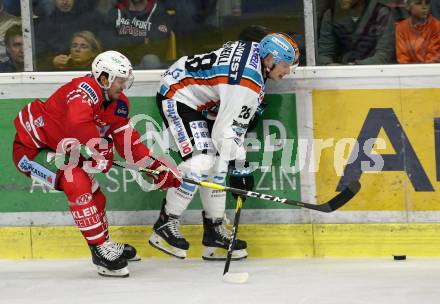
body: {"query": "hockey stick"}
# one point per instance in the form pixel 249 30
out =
pixel 239 277
pixel 335 203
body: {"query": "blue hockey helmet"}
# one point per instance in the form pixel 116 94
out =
pixel 281 46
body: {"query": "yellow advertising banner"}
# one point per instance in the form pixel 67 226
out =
pixel 388 139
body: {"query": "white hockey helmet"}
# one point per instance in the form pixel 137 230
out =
pixel 115 65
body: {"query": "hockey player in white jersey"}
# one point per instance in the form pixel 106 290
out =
pixel 207 101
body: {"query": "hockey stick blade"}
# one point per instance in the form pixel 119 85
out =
pixel 342 198
pixel 236 278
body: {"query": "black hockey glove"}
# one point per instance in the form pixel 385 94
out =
pixel 254 120
pixel 241 177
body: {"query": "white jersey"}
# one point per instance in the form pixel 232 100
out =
pixel 226 85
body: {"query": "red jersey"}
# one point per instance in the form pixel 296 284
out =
pixel 78 110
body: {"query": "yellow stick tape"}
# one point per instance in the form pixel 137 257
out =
pixel 212 185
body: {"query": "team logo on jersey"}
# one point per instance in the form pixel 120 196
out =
pixel 89 91
pixel 39 122
pixel 121 109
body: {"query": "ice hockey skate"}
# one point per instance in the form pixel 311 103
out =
pixel 216 238
pixel 109 259
pixel 167 237
pixel 130 253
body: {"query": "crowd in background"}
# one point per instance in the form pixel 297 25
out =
pixel 153 33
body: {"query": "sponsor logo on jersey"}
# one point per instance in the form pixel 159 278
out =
pixel 121 109
pixel 177 128
pixel 238 141
pixel 238 62
pixel 200 132
pixel 83 199
pixel 24 164
pixel 239 128
pixel 86 212
pixel 89 91
pixel 239 124
pixel 28 126
pixel 37 171
pixel 235 61
pixel 255 57
pixel 176 73
pixel 39 122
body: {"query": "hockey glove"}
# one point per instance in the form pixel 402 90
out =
pixel 101 156
pixel 167 178
pixel 241 177
pixel 254 120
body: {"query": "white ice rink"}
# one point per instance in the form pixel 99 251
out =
pixel 158 281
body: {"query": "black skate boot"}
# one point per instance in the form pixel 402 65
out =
pixel 130 253
pixel 109 260
pixel 216 239
pixel 166 235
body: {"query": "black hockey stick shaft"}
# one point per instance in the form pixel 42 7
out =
pixel 335 203
pixel 234 234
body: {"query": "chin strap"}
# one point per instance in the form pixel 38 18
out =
pixel 106 94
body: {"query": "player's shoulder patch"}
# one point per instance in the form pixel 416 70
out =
pixel 91 93
pixel 121 108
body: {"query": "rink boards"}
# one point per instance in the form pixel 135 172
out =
pixel 396 210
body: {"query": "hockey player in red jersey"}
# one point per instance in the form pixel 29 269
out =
pixel 89 114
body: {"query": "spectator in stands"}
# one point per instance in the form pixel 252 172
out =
pixel 53 32
pixel 6 21
pixel 357 32
pixel 418 36
pixel 139 28
pixel 41 8
pixel 321 6
pixel 83 49
pixel 14 49
pixel 104 26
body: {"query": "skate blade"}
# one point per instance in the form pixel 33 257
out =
pixel 134 259
pixel 220 254
pixel 236 278
pixel 159 243
pixel 121 273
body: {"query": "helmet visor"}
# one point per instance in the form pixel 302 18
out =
pixel 125 82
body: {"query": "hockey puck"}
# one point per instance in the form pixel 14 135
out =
pixel 399 257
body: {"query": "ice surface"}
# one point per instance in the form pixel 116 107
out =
pixel 158 281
